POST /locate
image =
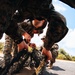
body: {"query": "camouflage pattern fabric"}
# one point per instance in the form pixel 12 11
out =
pixel 56 30
pixel 9 47
pixel 8 26
pixel 54 51
pixel 26 26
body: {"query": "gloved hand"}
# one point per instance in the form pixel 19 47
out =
pixel 47 53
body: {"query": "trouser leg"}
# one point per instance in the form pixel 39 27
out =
pixel 15 49
pixel 56 30
pixel 7 49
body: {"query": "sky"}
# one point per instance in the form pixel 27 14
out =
pixel 68 42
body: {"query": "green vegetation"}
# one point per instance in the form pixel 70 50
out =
pixel 73 58
pixel 65 56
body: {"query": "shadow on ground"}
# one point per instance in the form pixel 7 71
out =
pixel 57 68
pixel 49 71
pixel 26 71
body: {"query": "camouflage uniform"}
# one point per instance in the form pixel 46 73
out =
pixel 7 24
pixel 9 47
pixel 31 9
pixel 54 51
pixel 44 9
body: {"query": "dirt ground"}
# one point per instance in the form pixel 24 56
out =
pixel 26 71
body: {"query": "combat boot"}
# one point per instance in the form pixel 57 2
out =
pixel 51 65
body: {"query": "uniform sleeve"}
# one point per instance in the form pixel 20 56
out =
pixel 21 30
pixel 26 27
pixel 13 32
